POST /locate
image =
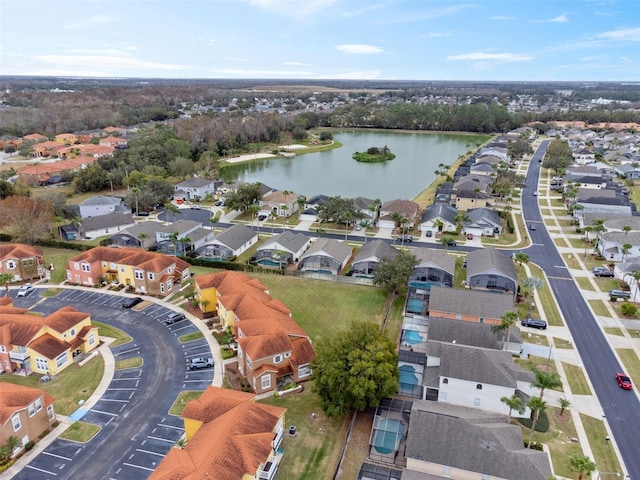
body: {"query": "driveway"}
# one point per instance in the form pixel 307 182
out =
pixel 136 429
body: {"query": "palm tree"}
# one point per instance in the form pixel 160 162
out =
pixel 439 224
pixel 521 258
pixel 366 225
pixel 564 404
pixel 143 236
pixel 184 241
pixel 273 215
pixel 537 406
pixel 212 221
pixel 545 380
pixel 347 219
pixel 254 208
pixel 636 275
pixel 507 321
pixel 12 445
pixel 625 250
pixel 6 279
pixel 174 241
pixel 626 229
pixel 204 304
pixel 514 403
pixel 172 209
pixel 136 193
pixel 582 465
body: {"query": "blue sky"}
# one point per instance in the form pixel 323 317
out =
pixel 512 40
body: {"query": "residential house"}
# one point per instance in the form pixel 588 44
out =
pixel 490 269
pixel 66 139
pixel 434 268
pixel 50 173
pixel 611 245
pixel 36 137
pixel 141 235
pixel 282 203
pixel 482 169
pixel 196 188
pixel 438 218
pixel 474 334
pixel 94 227
pixel 86 150
pixel 311 206
pixel 367 207
pixel 145 272
pixel 628 170
pixel 46 149
pixel 472 191
pixel 25 413
pixel 584 156
pixel 325 255
pixel 393 211
pixel 24 262
pixel 469 305
pixel 248 439
pixel 182 236
pixel 368 257
pixel 46 345
pixel 468 444
pixel 282 250
pixel 102 205
pixel 113 142
pixel 606 202
pixel 482 222
pixel 230 243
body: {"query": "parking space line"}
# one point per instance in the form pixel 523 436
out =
pixel 121 389
pixel 126 378
pixel 161 439
pixel 58 456
pixel 150 452
pixel 181 328
pixel 42 470
pixel 139 466
pixel 199 354
pixel 127 351
pixel 113 400
pixel 105 413
pixel 171 426
pixel 195 381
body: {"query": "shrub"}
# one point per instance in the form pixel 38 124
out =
pixel 43 434
pixel 628 309
pixel 543 422
pixel 29 445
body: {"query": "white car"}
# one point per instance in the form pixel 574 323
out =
pixel 25 290
pixel 535 193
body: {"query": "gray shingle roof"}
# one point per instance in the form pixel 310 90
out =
pixel 106 221
pixel 149 228
pixel 632 238
pixel 478 303
pixel 439 210
pixel 486 259
pixel 435 258
pixel 101 200
pixel 472 440
pixel 362 203
pixel 329 247
pixel 180 226
pixel 375 250
pixel 195 182
pixel 483 216
pixel 468 333
pixel 287 240
pixel 236 236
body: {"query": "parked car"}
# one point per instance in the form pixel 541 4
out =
pixel 429 233
pixel 195 207
pixel 358 227
pixel 452 243
pixel 532 226
pixel 619 294
pixel 131 302
pixel 200 362
pixel 174 318
pixel 262 218
pixel 534 323
pixel 143 214
pixel 605 272
pixel 25 290
pixel 218 203
pixel 404 238
pixel 624 381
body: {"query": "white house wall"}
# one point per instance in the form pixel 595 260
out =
pixel 465 394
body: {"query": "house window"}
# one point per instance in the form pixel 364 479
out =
pixel 265 382
pixel 150 276
pixel 72 332
pixel 169 284
pixel 287 355
pixel 11 264
pixel 50 412
pixel 113 266
pixel 32 410
pixel 139 275
pixel 445 380
pixel 170 269
pixel 479 386
pixel 476 402
pixel 92 339
pixel 62 359
pixel 42 365
pixel 481 320
pixel 277 359
pixel 3 349
pixel 304 371
pixel 69 276
pixel 121 269
pixel 16 423
pixel 104 264
pixel 162 288
pixel 76 266
pixel 38 404
pixel 86 268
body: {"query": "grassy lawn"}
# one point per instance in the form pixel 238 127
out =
pixel 536 339
pixel 539 363
pixel 133 362
pixel 599 308
pixel 584 283
pixel 189 337
pixel 613 331
pixel 560 242
pixel 578 243
pixel 181 401
pixel 326 308
pixel 315 450
pixel 59 257
pixel 105 330
pixel 69 387
pixel 631 363
pixel 558 439
pixel 81 432
pixel 546 298
pixel 460 274
pixel 577 380
pixel 50 292
pixel 605 456
pixel 562 343
pixel 545 211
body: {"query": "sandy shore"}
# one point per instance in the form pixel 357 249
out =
pixel 246 158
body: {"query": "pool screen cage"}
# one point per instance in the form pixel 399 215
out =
pixel 370 471
pixel 389 431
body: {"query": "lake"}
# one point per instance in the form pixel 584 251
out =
pixel 334 172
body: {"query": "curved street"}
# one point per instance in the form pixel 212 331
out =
pixel 621 407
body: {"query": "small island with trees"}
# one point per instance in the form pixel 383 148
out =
pixel 374 154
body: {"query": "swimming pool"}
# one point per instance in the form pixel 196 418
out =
pixel 412 337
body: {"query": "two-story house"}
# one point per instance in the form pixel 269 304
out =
pixel 196 188
pixel 248 439
pixel 146 272
pixel 393 211
pixel 469 305
pixel 102 205
pixel 24 262
pixel 25 413
pixel 282 203
pixel 282 250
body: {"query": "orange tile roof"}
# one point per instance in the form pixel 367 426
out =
pixel 35 136
pixel 49 346
pixel 243 442
pixel 6 301
pixel 18 250
pixel 148 261
pixel 17 397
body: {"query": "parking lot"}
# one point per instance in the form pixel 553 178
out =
pixel 136 428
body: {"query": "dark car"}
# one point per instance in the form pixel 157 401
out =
pixel 404 238
pixel 218 203
pixel 534 323
pixel 174 318
pixel 605 272
pixel 262 217
pixel 532 226
pixel 200 362
pixel 452 243
pixel 131 302
pixel 619 294
pixel 624 381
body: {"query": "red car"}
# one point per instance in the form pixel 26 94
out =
pixel 624 381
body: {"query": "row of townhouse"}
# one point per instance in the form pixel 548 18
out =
pixel 273 350
pixel 44 345
pixel 145 272
pixel 22 262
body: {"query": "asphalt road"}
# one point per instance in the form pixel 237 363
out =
pixel 136 429
pixel 621 407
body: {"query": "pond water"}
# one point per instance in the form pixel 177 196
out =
pixel 334 172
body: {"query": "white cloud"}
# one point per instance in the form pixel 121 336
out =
pixel 293 8
pixel 492 57
pixel 108 59
pixel 91 22
pixel 628 34
pixel 359 49
pixel 563 18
